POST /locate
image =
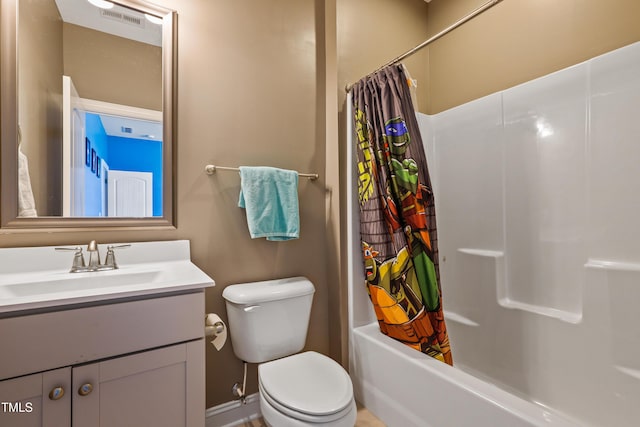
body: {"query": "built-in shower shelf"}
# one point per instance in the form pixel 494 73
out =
pixel 482 252
pixel 612 265
pixel 503 297
pixel 451 316
pixel 629 371
pixel 564 315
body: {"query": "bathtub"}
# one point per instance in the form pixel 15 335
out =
pixel 404 388
pixel 536 199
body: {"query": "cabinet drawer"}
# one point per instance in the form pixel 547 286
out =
pixel 39 342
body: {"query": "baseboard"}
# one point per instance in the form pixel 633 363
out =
pixel 234 413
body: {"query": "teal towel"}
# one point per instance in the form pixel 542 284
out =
pixel 270 197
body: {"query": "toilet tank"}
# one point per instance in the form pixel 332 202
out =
pixel 268 320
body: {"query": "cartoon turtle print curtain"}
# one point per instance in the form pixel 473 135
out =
pixel 397 215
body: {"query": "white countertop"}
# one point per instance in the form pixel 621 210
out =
pixel 39 277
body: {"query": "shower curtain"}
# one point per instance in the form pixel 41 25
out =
pixel 397 214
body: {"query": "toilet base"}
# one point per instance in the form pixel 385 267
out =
pixel 275 418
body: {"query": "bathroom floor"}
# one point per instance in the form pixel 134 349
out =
pixel 365 419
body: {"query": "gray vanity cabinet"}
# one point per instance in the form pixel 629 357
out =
pixel 146 389
pixel 124 364
pixel 37 400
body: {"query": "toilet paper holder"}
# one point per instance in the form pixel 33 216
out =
pixel 214 327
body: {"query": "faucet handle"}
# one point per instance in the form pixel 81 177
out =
pixel 126 245
pixel 78 258
pixel 110 259
pixel 77 249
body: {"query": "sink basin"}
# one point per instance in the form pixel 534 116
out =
pixel 145 269
pixel 88 281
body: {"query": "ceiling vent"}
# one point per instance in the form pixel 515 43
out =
pixel 125 18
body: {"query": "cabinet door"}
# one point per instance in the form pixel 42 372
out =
pixel 37 400
pixel 160 388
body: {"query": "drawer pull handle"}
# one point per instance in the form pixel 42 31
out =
pixel 85 389
pixel 56 393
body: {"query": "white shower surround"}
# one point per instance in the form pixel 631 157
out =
pixel 537 194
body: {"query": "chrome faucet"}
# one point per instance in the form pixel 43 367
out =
pixel 79 265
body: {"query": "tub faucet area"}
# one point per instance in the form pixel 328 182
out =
pixel 79 265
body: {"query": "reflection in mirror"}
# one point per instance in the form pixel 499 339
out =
pixel 94 110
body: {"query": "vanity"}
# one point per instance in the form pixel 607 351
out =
pixel 114 348
pixel 99 346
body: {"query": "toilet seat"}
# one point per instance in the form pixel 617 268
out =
pixel 306 418
pixel 307 386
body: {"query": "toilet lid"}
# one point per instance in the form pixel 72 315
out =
pixel 309 383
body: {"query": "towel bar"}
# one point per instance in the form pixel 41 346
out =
pixel 211 169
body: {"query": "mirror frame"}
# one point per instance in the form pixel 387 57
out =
pixel 9 124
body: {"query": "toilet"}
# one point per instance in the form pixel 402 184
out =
pixel 268 324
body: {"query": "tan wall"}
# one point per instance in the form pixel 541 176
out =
pixel 247 95
pixel 328 115
pixel 113 69
pixel 519 40
pixel 40 94
pixel 372 32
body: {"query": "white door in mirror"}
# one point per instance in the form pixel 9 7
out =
pixel 130 194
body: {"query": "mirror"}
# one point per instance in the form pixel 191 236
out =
pixel 88 113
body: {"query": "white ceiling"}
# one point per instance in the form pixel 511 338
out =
pixel 83 13
pixel 140 129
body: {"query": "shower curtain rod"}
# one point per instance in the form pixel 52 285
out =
pixel 430 40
